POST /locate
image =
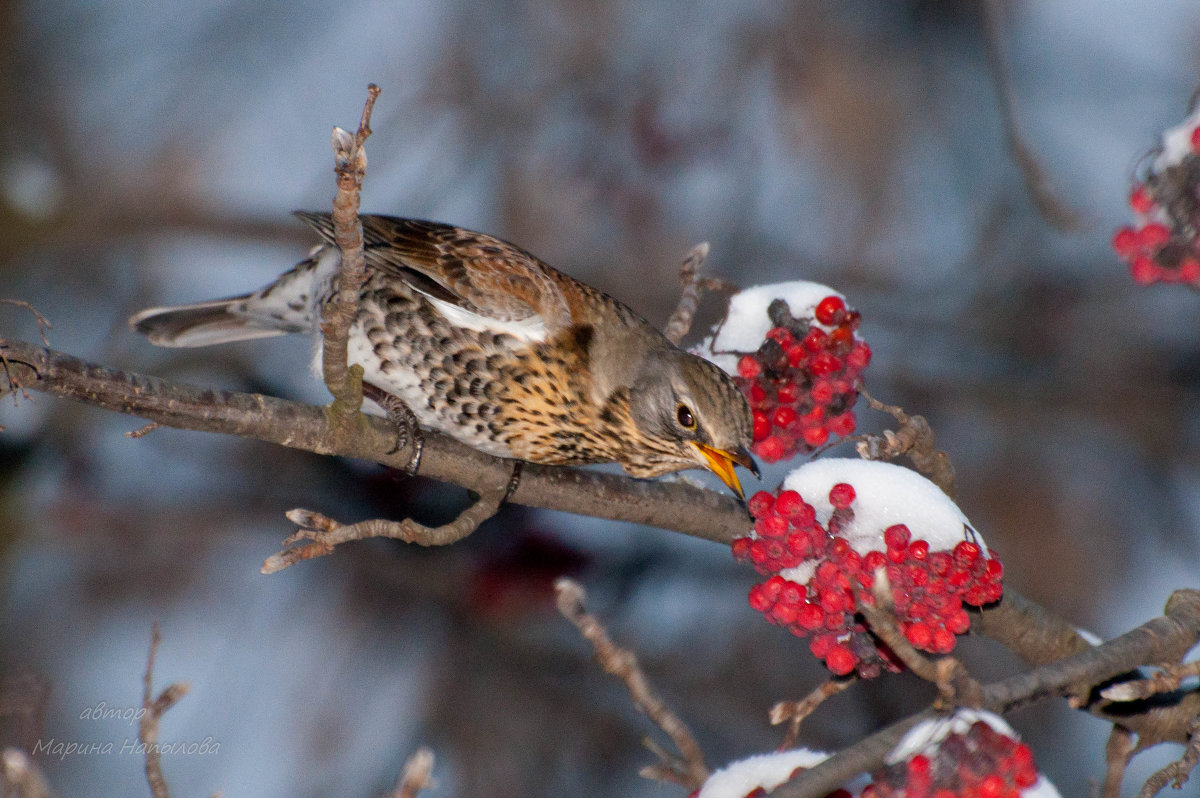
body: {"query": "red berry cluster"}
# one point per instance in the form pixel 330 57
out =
pixel 929 588
pixel 1164 246
pixel 983 763
pixel 803 381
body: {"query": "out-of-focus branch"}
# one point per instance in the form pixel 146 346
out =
pixel 417 775
pixel 153 708
pixel 1119 749
pixel 794 712
pixel 20 777
pixel 688 768
pixel 1051 207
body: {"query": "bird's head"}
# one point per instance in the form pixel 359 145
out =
pixel 688 414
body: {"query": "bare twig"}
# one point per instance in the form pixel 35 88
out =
pixel 691 772
pixel 152 710
pixel 417 775
pixel 1053 209
pixel 351 167
pixel 915 439
pixel 1178 771
pixel 143 430
pixel 1161 681
pixel 1117 753
pixel 20 777
pixel 42 322
pixel 795 712
pixel 325 533
pixel 693 286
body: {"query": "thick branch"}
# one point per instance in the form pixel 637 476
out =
pixel 667 505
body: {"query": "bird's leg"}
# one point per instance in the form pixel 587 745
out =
pixel 514 479
pixel 403 419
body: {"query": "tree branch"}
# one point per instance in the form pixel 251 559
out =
pixel 152 711
pixel 338 315
pixel 688 768
pixel 417 775
pixel 1163 639
pixel 668 505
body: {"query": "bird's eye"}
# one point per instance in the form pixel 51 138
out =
pixel 683 414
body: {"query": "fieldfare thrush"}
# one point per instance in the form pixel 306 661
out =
pixel 487 344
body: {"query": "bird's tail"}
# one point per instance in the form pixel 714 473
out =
pixel 202 324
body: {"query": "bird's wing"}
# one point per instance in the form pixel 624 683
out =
pixel 460 270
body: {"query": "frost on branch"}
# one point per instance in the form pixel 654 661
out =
pixel 794 352
pixel 1163 245
pixel 823 536
pixel 755 774
pixel 970 753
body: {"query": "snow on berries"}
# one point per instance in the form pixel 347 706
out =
pixel 970 753
pixel 834 523
pixel 794 352
pixel 1164 243
pixel 754 775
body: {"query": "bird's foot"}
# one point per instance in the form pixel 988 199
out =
pixel 403 419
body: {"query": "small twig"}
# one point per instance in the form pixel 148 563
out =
pixel 1060 215
pixel 693 286
pixel 914 438
pixel 143 431
pixel 42 322
pixel 152 710
pixel 1162 681
pixel 1117 753
pixel 797 711
pixel 620 662
pixel 670 768
pixel 417 775
pixel 20 776
pixel 1178 771
pixel 326 533
pixel 338 314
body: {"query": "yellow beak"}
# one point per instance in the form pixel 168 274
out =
pixel 721 463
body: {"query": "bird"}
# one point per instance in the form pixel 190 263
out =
pixel 482 341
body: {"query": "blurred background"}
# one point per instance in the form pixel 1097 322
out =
pixel 151 153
